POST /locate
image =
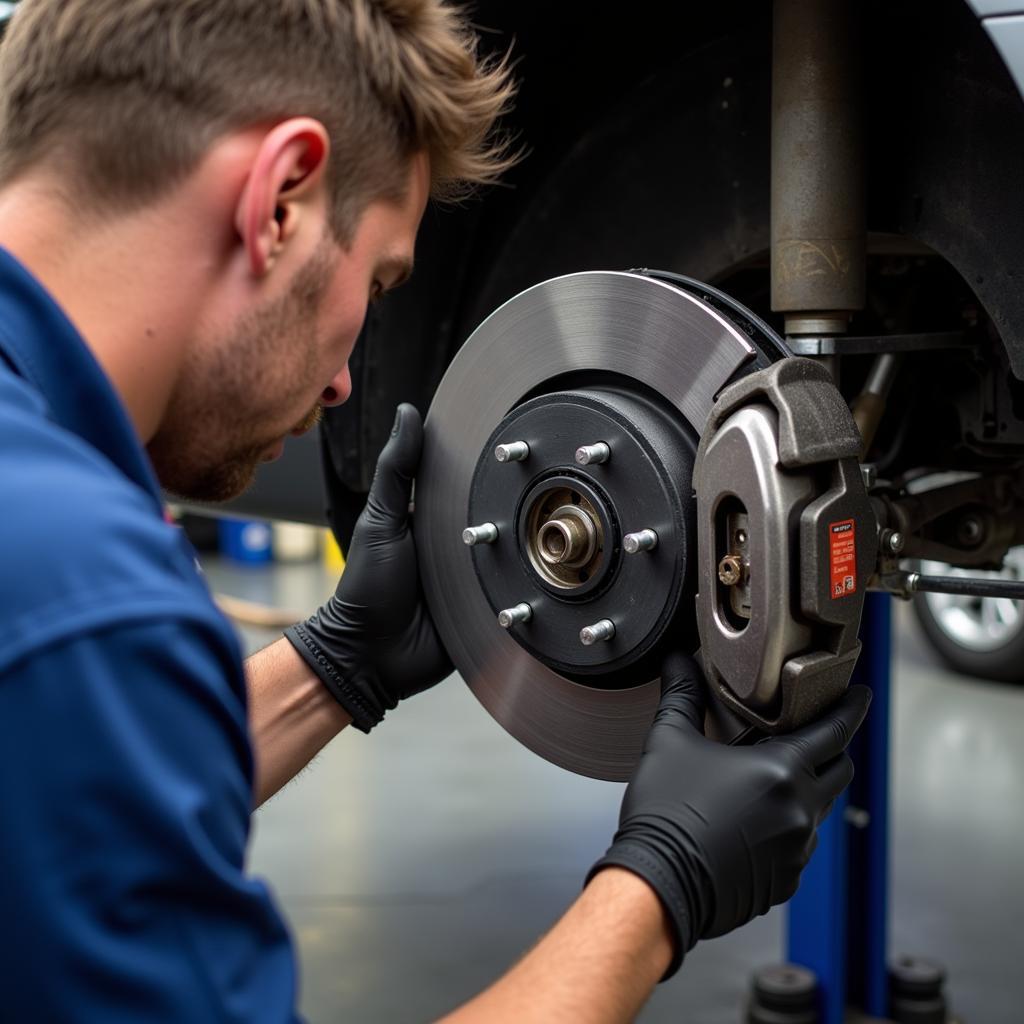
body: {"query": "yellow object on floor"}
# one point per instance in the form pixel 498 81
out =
pixel 333 558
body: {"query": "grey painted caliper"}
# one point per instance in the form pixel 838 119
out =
pixel 786 544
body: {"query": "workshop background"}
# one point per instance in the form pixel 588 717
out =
pixel 416 864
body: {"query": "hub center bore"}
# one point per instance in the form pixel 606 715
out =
pixel 564 537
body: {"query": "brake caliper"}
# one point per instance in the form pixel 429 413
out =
pixel 786 543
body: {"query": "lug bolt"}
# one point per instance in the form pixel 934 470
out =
pixel 510 616
pixel 593 454
pixel 485 533
pixel 894 542
pixel 643 540
pixel 971 531
pixel 730 570
pixel 603 630
pixel 514 451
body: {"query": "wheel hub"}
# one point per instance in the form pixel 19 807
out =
pixel 594 466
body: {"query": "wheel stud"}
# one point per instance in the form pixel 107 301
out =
pixel 643 540
pixel 593 454
pixel 517 614
pixel 514 451
pixel 603 630
pixel 485 533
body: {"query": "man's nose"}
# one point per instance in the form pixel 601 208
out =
pixel 339 390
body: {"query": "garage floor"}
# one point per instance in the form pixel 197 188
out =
pixel 417 863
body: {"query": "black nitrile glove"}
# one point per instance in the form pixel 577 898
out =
pixel 722 833
pixel 373 643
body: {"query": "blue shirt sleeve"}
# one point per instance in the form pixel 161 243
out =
pixel 125 792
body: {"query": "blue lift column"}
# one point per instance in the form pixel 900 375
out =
pixel 838 920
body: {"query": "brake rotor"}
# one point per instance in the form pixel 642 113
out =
pixel 623 359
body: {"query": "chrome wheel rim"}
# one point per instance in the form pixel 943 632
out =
pixel 983 625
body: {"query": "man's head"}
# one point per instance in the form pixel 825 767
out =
pixel 309 133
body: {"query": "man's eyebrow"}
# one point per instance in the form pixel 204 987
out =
pixel 395 271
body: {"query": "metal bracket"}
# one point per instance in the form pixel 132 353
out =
pixel 873 345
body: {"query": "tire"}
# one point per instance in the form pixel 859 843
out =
pixel 982 637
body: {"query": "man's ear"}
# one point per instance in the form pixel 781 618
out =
pixel 289 167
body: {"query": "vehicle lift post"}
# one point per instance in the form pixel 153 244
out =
pixel 838 920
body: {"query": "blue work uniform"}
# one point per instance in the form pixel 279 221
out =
pixel 126 773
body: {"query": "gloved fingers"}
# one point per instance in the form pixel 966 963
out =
pixel 834 778
pixel 396 467
pixel 682 689
pixel 825 739
pixel 784 887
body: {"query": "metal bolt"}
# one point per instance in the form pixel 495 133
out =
pixel 514 451
pixel 869 475
pixel 643 540
pixel 971 530
pixel 894 542
pixel 603 630
pixel 485 533
pixel 593 454
pixel 510 616
pixel 730 570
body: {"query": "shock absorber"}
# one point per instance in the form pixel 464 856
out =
pixel 817 201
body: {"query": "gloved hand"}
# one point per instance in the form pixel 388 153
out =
pixel 373 643
pixel 722 833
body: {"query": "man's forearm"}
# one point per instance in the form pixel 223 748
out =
pixel 292 717
pixel 598 965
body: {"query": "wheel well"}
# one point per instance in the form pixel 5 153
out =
pixel 659 157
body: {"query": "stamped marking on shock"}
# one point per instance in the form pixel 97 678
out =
pixel 801 258
pixel 842 541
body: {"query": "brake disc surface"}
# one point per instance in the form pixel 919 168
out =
pixel 625 327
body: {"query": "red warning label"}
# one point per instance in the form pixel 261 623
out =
pixel 842 543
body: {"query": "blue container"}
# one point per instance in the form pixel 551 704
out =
pixel 246 541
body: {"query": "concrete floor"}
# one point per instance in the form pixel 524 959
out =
pixel 417 863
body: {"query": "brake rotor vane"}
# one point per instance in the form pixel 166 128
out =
pixel 561 542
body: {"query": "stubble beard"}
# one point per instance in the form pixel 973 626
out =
pixel 214 435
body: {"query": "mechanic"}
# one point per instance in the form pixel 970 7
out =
pixel 197 200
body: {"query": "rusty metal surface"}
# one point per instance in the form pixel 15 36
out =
pixel 818 233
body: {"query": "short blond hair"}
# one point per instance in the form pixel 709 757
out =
pixel 129 94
